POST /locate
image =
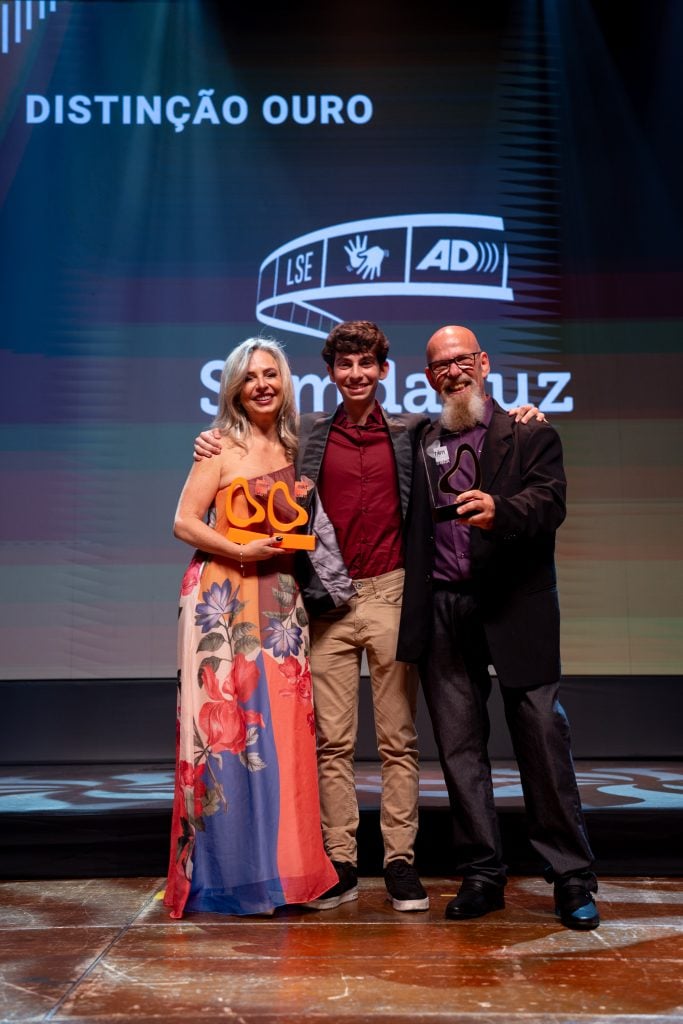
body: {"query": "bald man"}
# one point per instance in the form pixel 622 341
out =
pixel 481 590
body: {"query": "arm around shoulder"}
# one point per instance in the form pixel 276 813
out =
pixel 535 502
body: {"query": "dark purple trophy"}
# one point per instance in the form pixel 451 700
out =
pixel 448 477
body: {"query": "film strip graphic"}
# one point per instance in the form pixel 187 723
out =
pixel 453 255
pixel 17 17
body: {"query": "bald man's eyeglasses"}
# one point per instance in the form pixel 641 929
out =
pixel 466 361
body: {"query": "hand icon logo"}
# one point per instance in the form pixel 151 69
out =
pixel 355 251
pixel 363 261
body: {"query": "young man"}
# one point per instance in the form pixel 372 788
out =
pixel 480 590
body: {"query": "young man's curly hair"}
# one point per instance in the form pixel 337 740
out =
pixel 356 336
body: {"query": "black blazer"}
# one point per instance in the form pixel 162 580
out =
pixel 513 565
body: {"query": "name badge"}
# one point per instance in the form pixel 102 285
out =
pixel 438 452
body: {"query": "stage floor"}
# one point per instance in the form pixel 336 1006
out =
pixel 105 820
pixel 608 785
pixel 105 950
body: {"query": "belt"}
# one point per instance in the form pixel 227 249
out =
pixel 451 587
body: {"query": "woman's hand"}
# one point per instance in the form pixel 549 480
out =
pixel 260 550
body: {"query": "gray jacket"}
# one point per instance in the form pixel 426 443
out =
pixel 323 577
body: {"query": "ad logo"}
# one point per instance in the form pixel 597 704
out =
pixel 438 254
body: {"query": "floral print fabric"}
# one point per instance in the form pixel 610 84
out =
pixel 246 832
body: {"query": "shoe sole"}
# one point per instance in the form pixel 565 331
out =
pixel 409 904
pixel 455 916
pixel 334 901
pixel 577 924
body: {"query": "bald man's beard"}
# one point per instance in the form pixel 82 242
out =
pixel 462 410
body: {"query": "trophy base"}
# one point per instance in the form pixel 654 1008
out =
pixel 447 513
pixel 290 541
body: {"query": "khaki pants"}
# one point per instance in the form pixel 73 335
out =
pixel 370 622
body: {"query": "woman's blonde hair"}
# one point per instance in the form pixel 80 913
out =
pixel 231 417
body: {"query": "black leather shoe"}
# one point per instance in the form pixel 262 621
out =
pixel 575 906
pixel 475 899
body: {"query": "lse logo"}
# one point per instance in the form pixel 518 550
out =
pixel 300 268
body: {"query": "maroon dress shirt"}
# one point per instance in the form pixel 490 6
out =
pixel 358 486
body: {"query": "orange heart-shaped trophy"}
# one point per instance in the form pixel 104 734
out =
pixel 242 522
pixel 301 515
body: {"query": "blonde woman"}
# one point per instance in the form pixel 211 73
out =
pixel 246 834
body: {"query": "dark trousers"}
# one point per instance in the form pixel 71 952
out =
pixel 457 685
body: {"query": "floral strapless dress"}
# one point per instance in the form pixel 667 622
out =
pixel 246 834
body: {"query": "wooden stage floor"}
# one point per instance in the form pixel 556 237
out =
pixel 105 950
pixel 84 938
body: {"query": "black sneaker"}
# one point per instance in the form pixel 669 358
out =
pixel 575 906
pixel 344 891
pixel 404 887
